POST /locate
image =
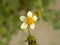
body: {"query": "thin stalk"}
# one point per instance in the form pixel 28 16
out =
pixel 29 31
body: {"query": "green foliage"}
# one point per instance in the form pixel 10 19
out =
pixel 52 16
pixel 9 19
pixel 46 3
pixel 31 4
pixel 1 43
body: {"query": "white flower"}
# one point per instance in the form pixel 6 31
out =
pixel 28 21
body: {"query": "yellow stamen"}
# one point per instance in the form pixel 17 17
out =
pixel 30 20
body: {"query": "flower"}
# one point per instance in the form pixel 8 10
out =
pixel 28 21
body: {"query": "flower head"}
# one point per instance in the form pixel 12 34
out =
pixel 28 21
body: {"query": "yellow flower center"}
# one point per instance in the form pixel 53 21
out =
pixel 30 20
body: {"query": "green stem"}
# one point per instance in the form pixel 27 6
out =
pixel 29 31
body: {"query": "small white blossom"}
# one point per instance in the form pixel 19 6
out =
pixel 28 21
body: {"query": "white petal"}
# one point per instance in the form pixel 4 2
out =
pixel 35 17
pixel 29 14
pixel 23 18
pixel 32 26
pixel 24 26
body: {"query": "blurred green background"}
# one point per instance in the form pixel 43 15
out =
pixel 11 10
